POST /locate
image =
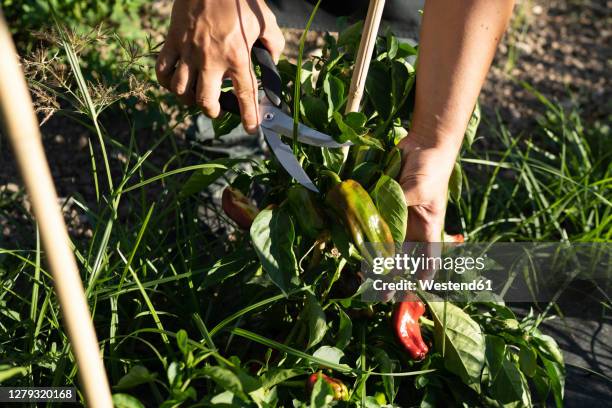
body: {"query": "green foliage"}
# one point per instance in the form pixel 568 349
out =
pixel 126 401
pixel 460 341
pixel 322 394
pixel 25 16
pixel 551 185
pixel 391 203
pixel 273 235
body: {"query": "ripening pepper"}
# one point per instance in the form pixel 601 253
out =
pixel 355 207
pixel 340 390
pixel 406 325
pixel 304 206
pixel 238 207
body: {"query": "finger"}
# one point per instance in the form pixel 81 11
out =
pixel 274 41
pixel 183 82
pixel 208 91
pixel 165 64
pixel 245 88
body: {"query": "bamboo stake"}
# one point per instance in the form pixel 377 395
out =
pixel 21 127
pixel 364 56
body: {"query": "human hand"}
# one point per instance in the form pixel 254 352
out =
pixel 424 177
pixel 211 39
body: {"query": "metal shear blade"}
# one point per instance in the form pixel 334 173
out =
pixel 275 122
pixel 278 121
pixel 286 158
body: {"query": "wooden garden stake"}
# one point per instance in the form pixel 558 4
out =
pixel 364 56
pixel 21 127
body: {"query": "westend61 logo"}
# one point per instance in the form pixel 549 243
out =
pixel 412 264
pixel 512 271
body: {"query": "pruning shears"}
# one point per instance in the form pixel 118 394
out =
pixel 275 122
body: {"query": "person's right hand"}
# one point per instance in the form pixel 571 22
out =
pixel 211 39
pixel 424 177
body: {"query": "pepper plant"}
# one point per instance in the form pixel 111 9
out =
pixel 312 339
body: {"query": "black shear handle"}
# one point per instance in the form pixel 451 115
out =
pixel 270 80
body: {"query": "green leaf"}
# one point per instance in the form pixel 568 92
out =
pixel 136 376
pixel 350 35
pixel 393 163
pixel 332 158
pixel 365 173
pixel 272 235
pixel 541 383
pixel 494 353
pixel 227 399
pixel 354 134
pixel 356 120
pixel 430 399
pixel 499 310
pixel 552 358
pixel 328 353
pixel 249 383
pixel 202 178
pixel 287 70
pixel 548 347
pixel 225 379
pixel 392 46
pixel 341 239
pixel 181 341
pixel 179 396
pixel 509 387
pixel 556 376
pixel 405 49
pixel 401 82
pixel 225 123
pixel 295 352
pixel 464 343
pixel 378 88
pixel 455 183
pixel 10 372
pixel 391 203
pixel 398 134
pixel 345 330
pixel 175 373
pixel 334 89
pixel 322 394
pixel 317 325
pixel 472 127
pixel 372 402
pixel 315 111
pixel 528 360
pixel 346 132
pixel 385 366
pixel 126 401
pixel 369 141
pixel 227 266
pixel 277 375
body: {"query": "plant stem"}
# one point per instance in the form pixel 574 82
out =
pixel 297 86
